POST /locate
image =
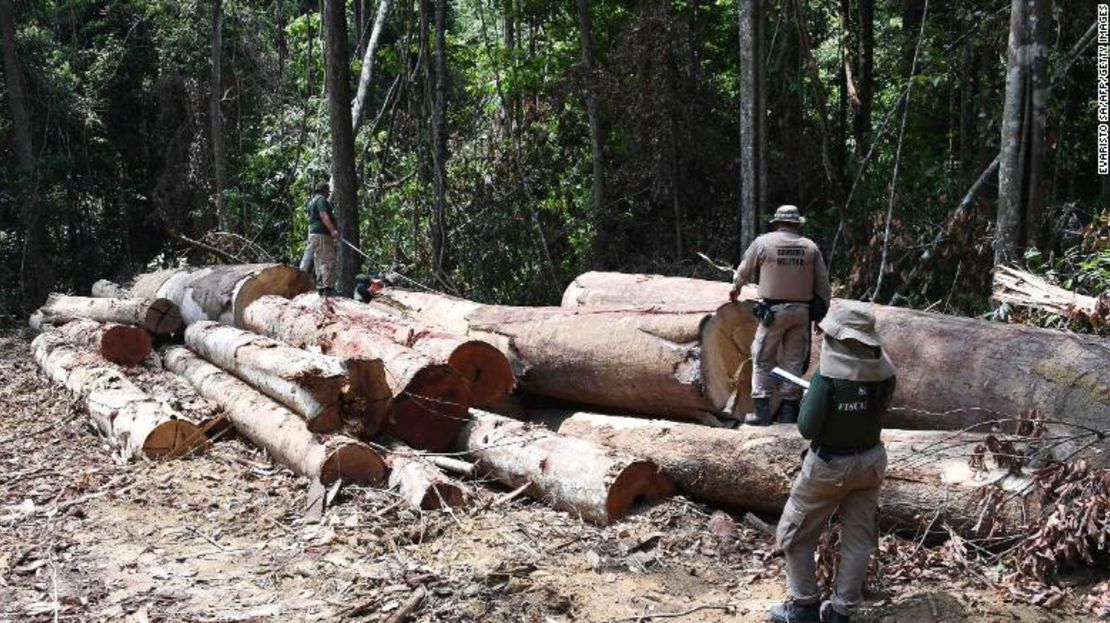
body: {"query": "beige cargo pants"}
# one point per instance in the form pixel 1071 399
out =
pixel 323 258
pixel 850 483
pixel 790 332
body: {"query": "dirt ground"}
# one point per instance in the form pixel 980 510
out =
pixel 219 537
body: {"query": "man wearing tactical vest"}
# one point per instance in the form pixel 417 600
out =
pixel 842 416
pixel 791 274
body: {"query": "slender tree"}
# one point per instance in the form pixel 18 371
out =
pixel 865 83
pixel 597 135
pixel 344 186
pixel 752 126
pixel 440 253
pixel 215 114
pixel 367 74
pixel 35 271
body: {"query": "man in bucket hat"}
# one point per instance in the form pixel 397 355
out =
pixel 844 468
pixel 791 272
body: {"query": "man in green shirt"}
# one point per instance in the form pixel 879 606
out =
pixel 322 237
pixel 842 415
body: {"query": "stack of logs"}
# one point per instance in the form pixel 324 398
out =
pixel 386 393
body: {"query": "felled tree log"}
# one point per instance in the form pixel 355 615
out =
pixel 276 429
pixel 310 384
pixel 220 293
pixel 132 422
pixel 629 290
pixel 156 315
pixel 676 363
pixel 953 373
pixel 105 289
pixel 1024 289
pixel 122 344
pixel 419 482
pixel 428 402
pixel 483 366
pixel 575 475
pixel 929 479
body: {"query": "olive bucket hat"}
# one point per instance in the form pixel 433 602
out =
pixel 788 214
pixel 851 320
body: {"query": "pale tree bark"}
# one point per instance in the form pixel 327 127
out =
pixel 597 133
pixel 752 133
pixel 344 184
pixel 1021 157
pixel 833 174
pixel 367 74
pixel 219 163
pixel 35 271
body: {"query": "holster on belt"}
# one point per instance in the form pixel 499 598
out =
pixel 764 313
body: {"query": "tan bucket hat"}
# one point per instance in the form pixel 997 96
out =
pixel 788 214
pixel 851 320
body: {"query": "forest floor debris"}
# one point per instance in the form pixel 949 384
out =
pixel 220 537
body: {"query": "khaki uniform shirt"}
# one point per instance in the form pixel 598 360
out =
pixel 789 267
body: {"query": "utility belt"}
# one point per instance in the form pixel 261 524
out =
pixel 764 309
pixel 826 454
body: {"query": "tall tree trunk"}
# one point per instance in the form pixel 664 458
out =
pixel 440 253
pixel 752 126
pixel 861 120
pixel 345 189
pixel 597 135
pixel 35 271
pixel 1021 155
pixel 1037 96
pixel 219 164
pixel 833 175
pixel 849 90
pixel 912 11
pixel 367 73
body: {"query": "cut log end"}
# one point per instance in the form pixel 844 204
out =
pixel 329 420
pixel 725 354
pixel 163 317
pixel 486 369
pixel 353 463
pixel 432 409
pixel 280 280
pixel 442 495
pixel 125 345
pixel 639 482
pixel 173 438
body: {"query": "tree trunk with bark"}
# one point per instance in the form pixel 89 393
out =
pixel 420 483
pixel 574 475
pixel 953 372
pixel 929 484
pixel 427 402
pixel 156 315
pixel 276 429
pixel 861 119
pixel 597 133
pixel 366 75
pixel 344 182
pixel 311 384
pixel 132 421
pixel 36 269
pixel 220 293
pixel 219 164
pixel 753 168
pixel 120 344
pixel 676 363
pixel 485 368
pixel 439 238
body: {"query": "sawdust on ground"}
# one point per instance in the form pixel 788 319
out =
pixel 219 537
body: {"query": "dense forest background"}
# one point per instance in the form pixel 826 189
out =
pixel 504 146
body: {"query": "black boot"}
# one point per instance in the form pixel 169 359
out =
pixel 790 612
pixel 762 414
pixel 830 615
pixel 788 412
